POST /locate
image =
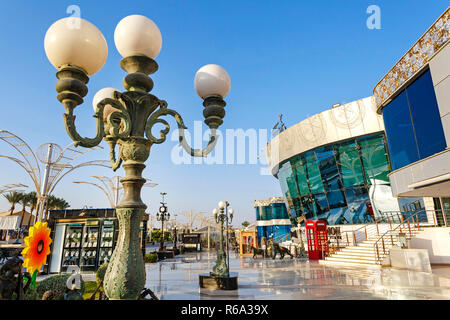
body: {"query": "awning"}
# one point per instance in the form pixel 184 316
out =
pixel 9 222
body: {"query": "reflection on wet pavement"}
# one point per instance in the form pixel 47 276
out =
pixel 294 279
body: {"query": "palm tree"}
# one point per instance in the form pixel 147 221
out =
pixel 62 204
pixel 13 198
pixel 32 198
pixel 55 203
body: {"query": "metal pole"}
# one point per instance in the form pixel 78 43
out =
pixel 44 195
pixel 228 251
pixel 209 241
pixel 161 244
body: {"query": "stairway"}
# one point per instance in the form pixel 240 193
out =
pixel 364 254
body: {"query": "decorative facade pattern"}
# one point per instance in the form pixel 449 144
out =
pixel 414 60
pixel 353 119
pixel 265 203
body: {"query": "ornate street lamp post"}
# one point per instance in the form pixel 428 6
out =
pixel 162 216
pixel 125 119
pixel 221 269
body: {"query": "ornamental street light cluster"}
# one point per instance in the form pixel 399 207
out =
pixel 162 215
pixel 222 267
pixel 125 119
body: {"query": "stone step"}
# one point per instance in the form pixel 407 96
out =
pixel 358 261
pixel 364 252
pixel 358 249
pixel 353 258
pixel 353 253
pixel 347 263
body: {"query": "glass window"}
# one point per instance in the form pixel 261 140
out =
pixel 399 132
pixel 349 164
pixel 292 185
pixel 301 176
pixel 374 157
pixel 357 211
pixel 298 211
pixel 337 204
pixel 328 168
pixel 309 208
pixel 411 206
pixel 425 116
pixel 285 172
pixel 320 206
pixel 258 214
pixel 313 173
pixel 279 211
pixel 266 213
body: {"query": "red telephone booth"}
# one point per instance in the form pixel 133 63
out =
pixel 370 210
pixel 317 238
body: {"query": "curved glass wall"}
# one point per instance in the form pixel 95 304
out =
pixel 413 123
pixel 332 182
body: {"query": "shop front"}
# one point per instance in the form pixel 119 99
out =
pixel 85 237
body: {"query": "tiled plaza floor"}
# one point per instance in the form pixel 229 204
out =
pixel 294 279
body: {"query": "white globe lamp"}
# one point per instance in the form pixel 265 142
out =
pixel 137 35
pixel 76 42
pixel 103 94
pixel 211 80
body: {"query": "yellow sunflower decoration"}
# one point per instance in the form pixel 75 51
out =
pixel 37 247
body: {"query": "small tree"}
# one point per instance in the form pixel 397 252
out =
pixel 245 224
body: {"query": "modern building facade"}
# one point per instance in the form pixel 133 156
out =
pixel 414 99
pixel 334 165
pixel 272 219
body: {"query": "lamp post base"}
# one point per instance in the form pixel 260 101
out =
pixel 208 281
pixel 166 254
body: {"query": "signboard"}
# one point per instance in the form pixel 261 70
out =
pixel 9 222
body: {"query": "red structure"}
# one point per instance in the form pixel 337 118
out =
pixel 317 238
pixel 370 210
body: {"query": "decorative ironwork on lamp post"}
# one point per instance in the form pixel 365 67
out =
pixel 125 119
pixel 162 216
pixel 221 269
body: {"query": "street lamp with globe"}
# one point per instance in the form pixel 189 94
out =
pixel 125 119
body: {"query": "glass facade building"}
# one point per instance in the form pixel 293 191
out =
pixel 413 124
pixel 335 182
pixel 272 219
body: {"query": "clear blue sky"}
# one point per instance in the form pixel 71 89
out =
pixel 291 57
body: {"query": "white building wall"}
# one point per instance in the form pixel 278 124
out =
pixel 436 241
